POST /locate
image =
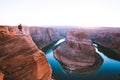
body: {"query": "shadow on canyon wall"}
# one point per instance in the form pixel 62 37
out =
pixel 108 52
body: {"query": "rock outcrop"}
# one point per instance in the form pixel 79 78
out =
pixel 20 58
pixel 77 53
pixel 110 40
pixel 42 36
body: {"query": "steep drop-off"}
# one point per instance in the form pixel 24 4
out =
pixel 1 75
pixel 20 59
pixel 42 36
pixel 109 42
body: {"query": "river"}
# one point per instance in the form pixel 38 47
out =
pixel 109 70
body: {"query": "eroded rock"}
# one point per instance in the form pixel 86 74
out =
pixel 43 36
pixel 1 75
pixel 77 53
pixel 20 59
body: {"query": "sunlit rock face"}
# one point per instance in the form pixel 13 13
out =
pixel 42 36
pixel 20 58
pixel 109 40
pixel 5 31
pixel 1 75
pixel 77 52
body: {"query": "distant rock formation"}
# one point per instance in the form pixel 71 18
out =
pixel 20 59
pixel 77 53
pixel 109 40
pixel 43 36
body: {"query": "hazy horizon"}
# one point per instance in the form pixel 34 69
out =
pixel 85 13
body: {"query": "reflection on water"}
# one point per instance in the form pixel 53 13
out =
pixel 108 52
pixel 60 41
pixel 58 71
pixel 109 70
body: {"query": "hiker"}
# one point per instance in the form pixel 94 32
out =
pixel 20 28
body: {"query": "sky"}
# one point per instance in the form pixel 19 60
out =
pixel 87 13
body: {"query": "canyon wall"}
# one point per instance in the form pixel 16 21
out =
pixel 42 36
pixel 109 41
pixel 20 58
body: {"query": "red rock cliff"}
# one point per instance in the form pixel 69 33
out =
pixel 42 36
pixel 77 52
pixel 20 59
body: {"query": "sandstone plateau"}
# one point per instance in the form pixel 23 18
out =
pixel 77 53
pixel 20 58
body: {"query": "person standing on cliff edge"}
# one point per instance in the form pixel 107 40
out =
pixel 20 28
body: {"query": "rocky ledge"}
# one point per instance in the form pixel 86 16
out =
pixel 77 53
pixel 20 58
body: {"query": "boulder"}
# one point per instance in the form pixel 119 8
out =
pixel 77 52
pixel 20 58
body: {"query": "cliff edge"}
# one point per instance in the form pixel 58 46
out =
pixel 20 58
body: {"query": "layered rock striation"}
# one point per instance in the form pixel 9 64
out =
pixel 42 36
pixel 77 53
pixel 20 58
